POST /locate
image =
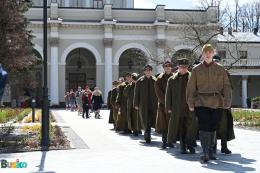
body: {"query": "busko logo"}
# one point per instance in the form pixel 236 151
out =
pixel 17 164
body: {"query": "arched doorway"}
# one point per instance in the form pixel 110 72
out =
pixel 184 53
pixel 132 60
pixel 80 69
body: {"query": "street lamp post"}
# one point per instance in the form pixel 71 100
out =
pixel 45 140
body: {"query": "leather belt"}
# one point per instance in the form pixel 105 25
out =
pixel 210 94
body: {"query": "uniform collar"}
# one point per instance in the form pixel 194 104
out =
pixel 182 75
pixel 208 65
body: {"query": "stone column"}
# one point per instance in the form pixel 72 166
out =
pixel 160 44
pixel 54 77
pixel 108 24
pixel 244 91
pixel 108 66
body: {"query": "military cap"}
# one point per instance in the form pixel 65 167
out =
pixel 115 82
pixel 183 61
pixel 207 48
pixel 167 63
pixel 128 74
pixel 148 67
pixel 135 76
pixel 217 58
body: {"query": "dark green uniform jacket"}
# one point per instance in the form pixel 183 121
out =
pixel 176 101
pixel 162 118
pixel 132 114
pixel 109 106
pixel 225 129
pixel 121 102
pixel 145 99
pixel 113 103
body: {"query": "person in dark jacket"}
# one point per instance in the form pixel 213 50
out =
pixel 109 107
pixel 85 104
pixel 113 97
pixel 72 100
pixel 225 130
pixel 132 114
pixel 121 102
pixel 97 101
pixel 162 119
pixel 3 80
pixel 145 101
pixel 182 124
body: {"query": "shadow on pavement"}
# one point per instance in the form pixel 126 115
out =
pixel 220 165
pixel 232 163
pixel 42 164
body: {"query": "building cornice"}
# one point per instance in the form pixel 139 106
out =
pixel 124 26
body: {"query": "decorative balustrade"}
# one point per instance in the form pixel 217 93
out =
pixel 252 62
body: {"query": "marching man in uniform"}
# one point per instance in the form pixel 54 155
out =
pixel 208 93
pixel 145 101
pixel 182 125
pixel 162 119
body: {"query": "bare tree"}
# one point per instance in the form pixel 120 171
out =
pixel 249 16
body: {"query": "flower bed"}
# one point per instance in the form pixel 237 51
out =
pixel 247 118
pixel 28 138
pixel 9 114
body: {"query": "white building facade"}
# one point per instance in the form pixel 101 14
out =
pixel 87 41
pixel 241 55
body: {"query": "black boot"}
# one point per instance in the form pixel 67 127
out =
pixel 164 140
pixel 204 140
pixel 170 145
pixel 183 147
pixel 136 133
pixel 190 147
pixel 194 143
pixel 147 136
pixel 224 148
pixel 211 145
pixel 215 148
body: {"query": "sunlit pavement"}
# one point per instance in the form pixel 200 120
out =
pixel 108 151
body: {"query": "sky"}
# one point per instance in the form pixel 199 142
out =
pixel 177 4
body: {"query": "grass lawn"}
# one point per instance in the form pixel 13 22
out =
pixel 21 115
pixel 249 118
pixel 17 114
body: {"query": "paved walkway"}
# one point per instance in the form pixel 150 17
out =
pixel 108 152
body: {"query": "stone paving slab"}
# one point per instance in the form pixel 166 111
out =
pixel 110 152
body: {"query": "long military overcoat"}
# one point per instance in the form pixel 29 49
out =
pixel 121 102
pixel 145 99
pixel 110 108
pixel 162 118
pixel 114 106
pixel 173 101
pixel 132 114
